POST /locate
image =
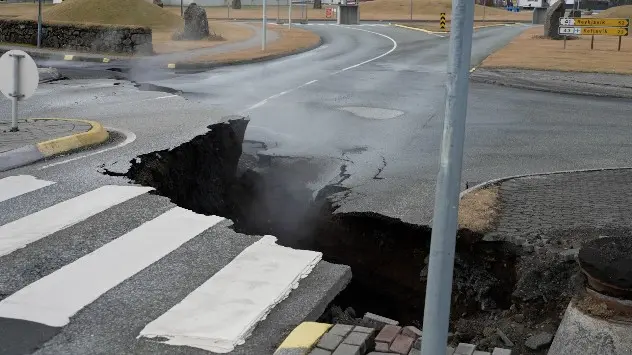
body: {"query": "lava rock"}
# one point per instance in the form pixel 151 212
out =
pixel 158 2
pixel 539 341
pixel 195 23
pixel 609 261
pixel 236 4
pixel 552 19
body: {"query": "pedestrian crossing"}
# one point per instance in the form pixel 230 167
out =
pixel 58 264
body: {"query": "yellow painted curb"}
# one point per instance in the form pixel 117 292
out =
pixel 171 66
pixel 303 338
pixel 68 57
pixel 420 29
pixel 106 60
pixel 97 134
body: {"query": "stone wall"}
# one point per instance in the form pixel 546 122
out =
pixel 79 37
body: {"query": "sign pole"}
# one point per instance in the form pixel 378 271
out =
pixel 15 96
pixel 619 47
pixel 39 24
pixel 181 8
pixel 411 10
pixel 289 15
pixel 592 42
pixel 444 222
pixel 264 29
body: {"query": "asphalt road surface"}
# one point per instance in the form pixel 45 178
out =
pixel 371 99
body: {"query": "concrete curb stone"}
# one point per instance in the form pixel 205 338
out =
pixel 32 153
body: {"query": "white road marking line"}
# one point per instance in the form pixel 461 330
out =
pixel 160 97
pixel 19 233
pixel 129 138
pixel 263 102
pixel 372 59
pixel 53 299
pixel 223 311
pixel 14 186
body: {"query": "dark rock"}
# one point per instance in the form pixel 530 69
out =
pixel 552 19
pixel 158 2
pixel 236 4
pixel 539 341
pixel 318 4
pixel 195 23
pixel 609 261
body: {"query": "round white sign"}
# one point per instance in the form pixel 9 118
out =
pixel 27 73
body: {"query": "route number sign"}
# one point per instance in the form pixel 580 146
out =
pixel 605 22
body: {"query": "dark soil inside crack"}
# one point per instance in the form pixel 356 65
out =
pixel 388 257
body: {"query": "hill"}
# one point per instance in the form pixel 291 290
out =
pixel 624 11
pixel 113 12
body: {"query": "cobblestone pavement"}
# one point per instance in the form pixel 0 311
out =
pixel 562 211
pixel 390 339
pixel 35 131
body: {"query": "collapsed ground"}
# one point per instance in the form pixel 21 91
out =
pixel 500 290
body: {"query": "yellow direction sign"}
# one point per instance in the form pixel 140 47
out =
pixel 604 31
pixel 607 22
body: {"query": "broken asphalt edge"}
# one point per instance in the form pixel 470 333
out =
pixel 486 76
pixel 174 66
pixel 32 153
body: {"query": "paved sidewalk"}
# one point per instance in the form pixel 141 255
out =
pixel 563 211
pixel 589 84
pixel 36 131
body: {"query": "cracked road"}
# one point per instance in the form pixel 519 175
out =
pixel 369 103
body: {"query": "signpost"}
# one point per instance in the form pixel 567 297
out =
pixel 442 21
pixel 18 80
pixel 264 27
pixel 39 24
pixel 617 27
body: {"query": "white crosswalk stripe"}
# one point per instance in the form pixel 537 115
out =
pixel 218 315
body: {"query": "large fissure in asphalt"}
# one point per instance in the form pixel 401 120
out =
pixel 388 257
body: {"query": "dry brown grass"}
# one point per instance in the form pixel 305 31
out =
pixel 435 27
pixel 478 210
pixel 288 41
pixel 371 10
pixel 530 51
pixel 163 42
pixel 616 12
pixel 20 10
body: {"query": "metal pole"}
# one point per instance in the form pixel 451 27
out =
pixel 278 12
pixel 289 15
pixel 264 30
pixel 39 24
pixel 181 8
pixel 619 47
pixel 15 96
pixel 444 224
pixel 411 10
pixel 228 10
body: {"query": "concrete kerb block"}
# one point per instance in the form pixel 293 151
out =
pixel 302 339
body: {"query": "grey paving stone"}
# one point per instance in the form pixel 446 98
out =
pixel 317 351
pixel 411 331
pixel 360 339
pixel 346 349
pixel 449 350
pixel 363 329
pixel 499 351
pixel 465 349
pixel 341 329
pixel 380 319
pixel 330 341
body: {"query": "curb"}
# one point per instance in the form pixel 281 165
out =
pixel 534 86
pixel 212 65
pixel 302 339
pixel 448 32
pixel 32 153
pixel 174 66
pixel 500 180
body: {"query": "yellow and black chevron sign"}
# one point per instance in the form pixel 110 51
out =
pixel 442 21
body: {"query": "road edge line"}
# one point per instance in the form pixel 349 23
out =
pixel 439 34
pixel 96 135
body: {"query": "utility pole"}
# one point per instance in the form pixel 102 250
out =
pixel 446 207
pixel 181 8
pixel 39 24
pixel 411 10
pixel 289 15
pixel 264 30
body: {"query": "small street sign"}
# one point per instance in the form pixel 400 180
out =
pixel 18 80
pixel 593 31
pixel 328 12
pixel 605 22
